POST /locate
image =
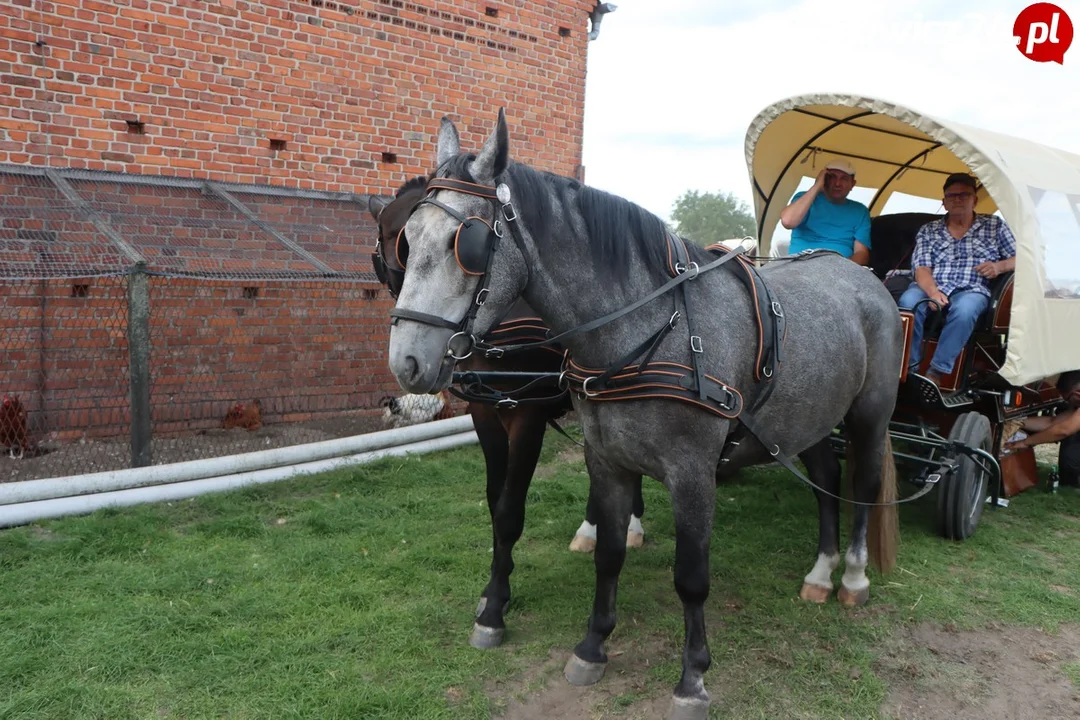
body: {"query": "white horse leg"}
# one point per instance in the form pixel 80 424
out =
pixel 635 534
pixel 585 538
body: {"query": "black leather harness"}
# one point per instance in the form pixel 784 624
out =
pixel 626 381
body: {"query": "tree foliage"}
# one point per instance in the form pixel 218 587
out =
pixel 707 218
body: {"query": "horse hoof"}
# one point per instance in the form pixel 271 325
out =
pixel 582 544
pixel 635 540
pixel 688 709
pixel 485 638
pixel 815 593
pixel 578 672
pixel 851 599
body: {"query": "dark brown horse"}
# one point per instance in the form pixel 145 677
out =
pixel 511 436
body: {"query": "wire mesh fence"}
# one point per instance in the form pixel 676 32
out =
pixel 147 320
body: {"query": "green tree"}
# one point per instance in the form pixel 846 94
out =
pixel 707 218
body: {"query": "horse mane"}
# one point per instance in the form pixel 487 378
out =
pixel 613 225
pixel 417 183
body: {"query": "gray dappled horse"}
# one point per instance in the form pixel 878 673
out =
pixel 708 394
pixel 510 422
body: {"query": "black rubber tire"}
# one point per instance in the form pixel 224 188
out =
pixel 962 495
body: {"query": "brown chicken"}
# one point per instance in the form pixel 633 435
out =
pixel 13 433
pixel 244 416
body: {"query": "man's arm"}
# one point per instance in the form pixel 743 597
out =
pixel 922 262
pixel 861 254
pixel 1006 243
pixel 861 248
pixel 792 216
pixel 1064 425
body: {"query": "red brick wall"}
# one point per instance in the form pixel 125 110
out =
pixel 339 82
pixel 304 349
pixel 212 83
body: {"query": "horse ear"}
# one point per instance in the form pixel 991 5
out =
pixel 376 205
pixel 449 142
pixel 495 156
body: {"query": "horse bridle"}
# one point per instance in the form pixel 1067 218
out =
pixel 475 255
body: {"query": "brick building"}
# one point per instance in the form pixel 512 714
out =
pixel 113 116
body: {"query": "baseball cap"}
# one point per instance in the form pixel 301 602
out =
pixel 963 179
pixel 842 166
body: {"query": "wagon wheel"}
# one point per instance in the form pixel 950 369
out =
pixel 962 493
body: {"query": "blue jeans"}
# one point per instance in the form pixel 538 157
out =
pixel 961 314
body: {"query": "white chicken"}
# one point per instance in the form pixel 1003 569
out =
pixel 414 409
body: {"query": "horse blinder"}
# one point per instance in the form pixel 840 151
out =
pixel 473 243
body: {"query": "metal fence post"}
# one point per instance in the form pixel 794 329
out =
pixel 138 331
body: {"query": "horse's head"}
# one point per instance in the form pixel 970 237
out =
pixel 390 216
pixel 465 267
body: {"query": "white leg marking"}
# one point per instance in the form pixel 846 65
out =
pixel 855 570
pixel 821 575
pixel 586 530
pixel 635 526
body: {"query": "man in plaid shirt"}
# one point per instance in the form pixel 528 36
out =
pixel 954 260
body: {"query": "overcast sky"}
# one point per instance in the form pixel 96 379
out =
pixel 673 85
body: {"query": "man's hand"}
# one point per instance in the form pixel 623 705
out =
pixel 988 270
pixel 822 179
pixel 940 298
pixel 1017 445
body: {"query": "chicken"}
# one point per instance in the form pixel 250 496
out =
pixel 414 409
pixel 13 433
pixel 247 416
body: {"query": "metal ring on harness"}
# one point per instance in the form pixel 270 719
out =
pixel 562 383
pixel 767 371
pixel 450 346
pixel 776 452
pixel 585 388
pixel 680 269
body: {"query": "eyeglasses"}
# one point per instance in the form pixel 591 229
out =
pixel 959 195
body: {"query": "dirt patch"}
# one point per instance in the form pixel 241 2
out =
pixel 626 689
pixel 59 460
pixel 995 673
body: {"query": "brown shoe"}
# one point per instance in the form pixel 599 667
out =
pixel 934 376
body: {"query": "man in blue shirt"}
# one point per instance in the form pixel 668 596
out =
pixel 954 260
pixel 822 218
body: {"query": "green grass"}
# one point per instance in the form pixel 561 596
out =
pixel 351 595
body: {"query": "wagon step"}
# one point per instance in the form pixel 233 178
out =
pixel 930 395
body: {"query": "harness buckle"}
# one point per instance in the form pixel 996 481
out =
pixel 494 352
pixel 767 371
pixel 513 213
pixel 507 404
pixel 695 344
pixel 481 297
pixel 585 388
pixel 450 346
pixel 777 311
pixel 674 319
pixel 496 227
pixel 680 269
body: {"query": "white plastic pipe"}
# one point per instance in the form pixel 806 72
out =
pixel 30 490
pixel 23 513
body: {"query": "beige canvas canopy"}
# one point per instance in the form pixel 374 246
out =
pixel 899 150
